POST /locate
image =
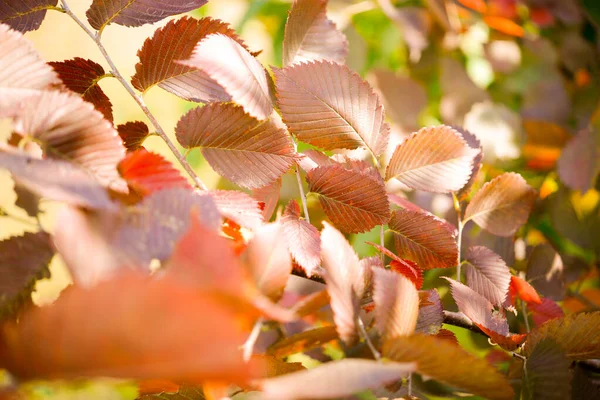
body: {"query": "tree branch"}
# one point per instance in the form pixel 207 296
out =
pixel 461 320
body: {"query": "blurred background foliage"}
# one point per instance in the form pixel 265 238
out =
pixel 523 75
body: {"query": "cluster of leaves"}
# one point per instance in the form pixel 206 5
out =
pixel 190 292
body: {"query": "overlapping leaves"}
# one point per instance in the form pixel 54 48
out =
pixel 303 239
pixel 487 274
pixel 396 303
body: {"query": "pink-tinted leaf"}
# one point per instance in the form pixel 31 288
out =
pixel 475 144
pixel 545 272
pixel 157 64
pixel 329 106
pixel 303 239
pixel 23 260
pixel 25 15
pixel 311 36
pixel 268 197
pixel 56 180
pixel 345 280
pixel 81 76
pixel 334 380
pixel 396 304
pixel 434 159
pixel 268 259
pixel 445 361
pixel 229 64
pixel 424 239
pixel 69 128
pixel 431 313
pixel 548 372
pixel 248 152
pixel 545 311
pixel 136 12
pixel 311 159
pixel 487 274
pixel 578 165
pixel 354 200
pixel 524 290
pixel 237 206
pixel 133 134
pixel 149 172
pixel 502 205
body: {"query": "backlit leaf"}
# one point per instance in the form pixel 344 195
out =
pixel 445 361
pixel 545 311
pixel 311 36
pixel 136 12
pixel 334 379
pixel 545 272
pixel 578 165
pixel 157 56
pixel 229 64
pixel 133 134
pixel 25 15
pixel 303 239
pixel 268 198
pixel 23 260
pixel 329 106
pixel 435 159
pixel 431 314
pixel 473 142
pixel 424 239
pixel 524 290
pixel 502 205
pixel 396 304
pixel 410 270
pixel 548 372
pixel 237 206
pixel 303 341
pixel 81 76
pixel 504 25
pixel 345 281
pixel 355 201
pixel 248 152
pixel 487 274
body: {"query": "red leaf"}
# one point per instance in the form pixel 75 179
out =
pixel 510 342
pixel 407 268
pixel 310 35
pixel 396 304
pixel 303 239
pixel 149 172
pixel 133 134
pixel 545 311
pixel 524 290
pixel 25 16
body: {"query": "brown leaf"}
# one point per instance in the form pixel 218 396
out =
pixel 502 205
pixel 136 12
pixel 450 364
pixel 545 272
pixel 396 304
pixel 23 260
pixel 157 56
pixel 431 314
pixel 578 165
pixel 311 36
pixel 229 64
pixel 487 274
pixel 184 392
pixel 345 280
pixel 303 341
pixel 334 379
pixel 424 239
pixel 303 239
pixel 237 206
pixel 329 106
pixel 434 159
pixel 133 134
pixel 355 201
pixel 248 152
pixel 81 76
pixel 25 16
pixel 548 372
pixel 311 303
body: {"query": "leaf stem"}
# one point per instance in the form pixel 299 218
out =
pixel 22 220
pixel 302 195
pixel 459 234
pixel 382 242
pixel 248 346
pixel 365 336
pixel 138 99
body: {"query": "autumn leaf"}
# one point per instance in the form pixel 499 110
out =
pixel 431 313
pixel 407 268
pixel 473 142
pixel 229 64
pixel 548 372
pixel 25 16
pixel 502 205
pixel 334 379
pixel 237 206
pixel 82 76
pixel 358 121
pixel 396 304
pixel 184 392
pixel 545 272
pixel 424 239
pixel 136 12
pixel 23 260
pixel 354 200
pixel 434 159
pixel 545 311
pixel 450 364
pixel 248 152
pixel 524 290
pixel 303 341
pixel 311 36
pixel 487 274
pixel 303 239
pixel 504 25
pixel 268 198
pixel 133 134
pixel 578 165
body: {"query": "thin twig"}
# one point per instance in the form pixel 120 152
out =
pixel 22 220
pixel 459 234
pixel 302 195
pixel 138 99
pixel 365 335
pixel 248 346
pixel 382 242
pixel 409 388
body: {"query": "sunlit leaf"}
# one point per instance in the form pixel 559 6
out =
pixel 345 281
pixel 303 239
pixel 136 12
pixel 25 15
pixel 23 260
pixel 248 152
pixel 303 341
pixel 268 198
pixel 544 143
pixel 147 172
pixel 548 372
pixel 434 159
pixel 407 268
pixel 524 290
pixel 431 313
pixel 473 142
pixel 487 274
pixel 396 304
pixel 504 25
pixel 424 239
pixel 502 205
pixel 355 201
pixel 477 5
pixel 237 206
pixel 445 361
pixel 334 379
pixel 329 106
pixel 578 165
pixel 545 311
pixel 545 272
pixel 229 64
pixel 311 36
pixel 81 76
pixel 157 64
pixel 133 134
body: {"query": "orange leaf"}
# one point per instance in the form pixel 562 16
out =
pixel 504 25
pixel 476 5
pixel 524 290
